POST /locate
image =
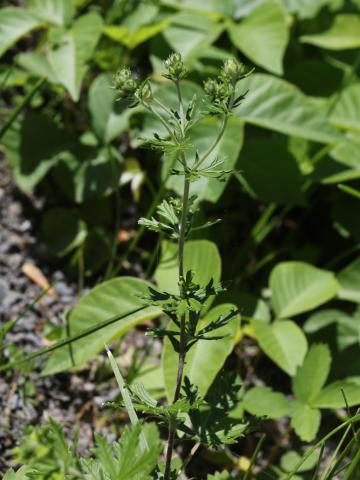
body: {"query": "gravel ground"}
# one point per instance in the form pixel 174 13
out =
pixel 27 398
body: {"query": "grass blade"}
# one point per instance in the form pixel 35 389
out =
pixel 126 397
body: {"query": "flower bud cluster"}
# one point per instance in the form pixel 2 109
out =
pixel 175 67
pixel 218 91
pixel 144 93
pixel 125 84
pixel 233 71
pixel 221 91
pixel 130 89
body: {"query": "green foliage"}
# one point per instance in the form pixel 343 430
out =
pixel 263 152
pixel 125 459
pixel 110 299
pixel 263 35
pixel 297 287
pixel 343 34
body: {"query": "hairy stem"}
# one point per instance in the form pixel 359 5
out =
pixel 182 341
pixel 215 144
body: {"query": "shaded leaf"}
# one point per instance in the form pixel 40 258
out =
pixel 62 230
pixel 108 118
pixel 33 145
pixel 260 156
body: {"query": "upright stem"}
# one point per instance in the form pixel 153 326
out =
pixel 182 346
pixel 215 144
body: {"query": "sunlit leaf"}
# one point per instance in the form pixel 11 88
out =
pixel 71 49
pixel 275 104
pixel 344 33
pixel 14 24
pixel 305 420
pixel 109 299
pixel 283 341
pixel 298 287
pixel 312 374
pixel 263 35
pixel 262 401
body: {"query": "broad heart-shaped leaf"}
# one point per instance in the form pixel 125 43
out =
pixel 189 32
pixel 109 299
pixel 262 401
pixel 346 113
pixel 332 396
pixel 72 48
pixel 37 64
pixel 313 373
pixel 57 12
pixel 305 420
pixel 297 287
pixel 283 341
pixel 349 279
pixel 14 24
pixel 205 359
pixel 33 145
pixel 108 118
pixel 277 105
pixel 260 156
pixel 263 35
pixel 201 256
pixel 343 34
pixel 202 137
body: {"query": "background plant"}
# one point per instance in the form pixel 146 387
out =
pixel 290 241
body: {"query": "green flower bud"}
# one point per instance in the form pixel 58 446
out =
pixel 175 67
pixel 233 70
pixel 144 92
pixel 218 91
pixel 125 84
